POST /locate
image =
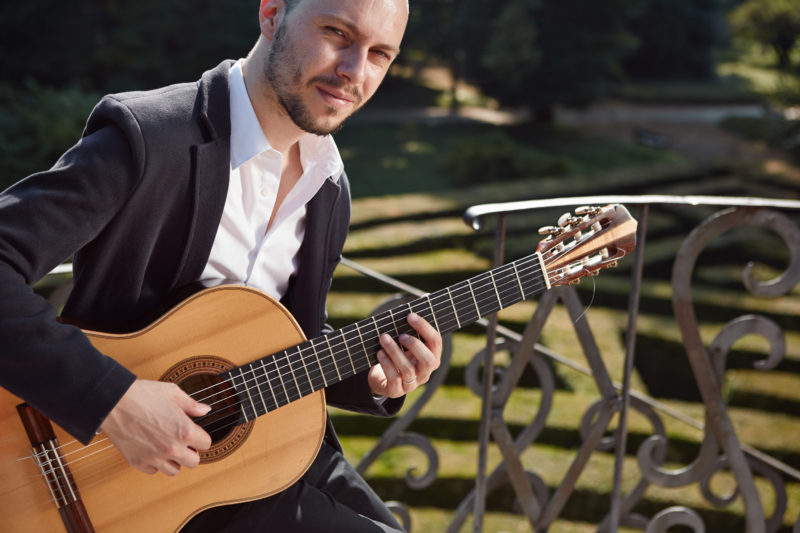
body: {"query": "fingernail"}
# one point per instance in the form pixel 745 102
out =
pixel 386 340
pixel 413 317
pixel 404 338
pixel 205 408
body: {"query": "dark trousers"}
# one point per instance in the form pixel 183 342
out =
pixel 331 497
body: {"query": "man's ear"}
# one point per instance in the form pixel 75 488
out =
pixel 268 16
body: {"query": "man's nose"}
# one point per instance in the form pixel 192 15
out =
pixel 353 64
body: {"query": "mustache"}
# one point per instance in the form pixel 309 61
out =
pixel 339 84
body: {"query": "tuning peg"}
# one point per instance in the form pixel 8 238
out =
pixel 567 219
pixel 550 230
pixel 574 281
pixel 588 210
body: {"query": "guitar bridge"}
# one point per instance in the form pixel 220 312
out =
pixel 46 453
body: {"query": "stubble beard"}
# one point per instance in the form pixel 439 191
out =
pixel 286 85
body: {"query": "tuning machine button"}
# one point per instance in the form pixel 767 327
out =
pixel 588 210
pixel 568 220
pixel 550 230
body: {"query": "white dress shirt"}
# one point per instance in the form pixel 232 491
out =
pixel 243 250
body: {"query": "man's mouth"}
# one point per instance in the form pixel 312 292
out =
pixel 334 98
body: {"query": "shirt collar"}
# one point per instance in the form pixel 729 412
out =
pixel 248 139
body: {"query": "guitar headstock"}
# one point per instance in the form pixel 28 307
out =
pixel 582 244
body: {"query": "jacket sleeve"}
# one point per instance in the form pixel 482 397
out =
pixel 44 219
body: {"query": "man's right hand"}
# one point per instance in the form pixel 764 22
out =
pixel 152 428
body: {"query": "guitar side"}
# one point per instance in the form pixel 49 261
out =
pixel 230 324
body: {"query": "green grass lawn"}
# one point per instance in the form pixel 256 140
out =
pixel 416 234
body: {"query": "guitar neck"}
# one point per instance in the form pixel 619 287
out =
pixel 271 382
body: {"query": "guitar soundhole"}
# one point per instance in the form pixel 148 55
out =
pixel 225 413
pixel 200 378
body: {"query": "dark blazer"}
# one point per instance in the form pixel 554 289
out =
pixel 137 201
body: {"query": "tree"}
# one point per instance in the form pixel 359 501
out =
pixel 677 38
pixel 775 23
pixel 540 53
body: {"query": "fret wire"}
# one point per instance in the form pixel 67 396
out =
pixel 294 376
pixel 494 284
pixel 237 396
pixel 472 293
pixel 394 324
pixel 247 390
pixel 333 359
pixel 280 377
pixel 347 349
pixel 433 314
pixel 361 338
pixel 258 387
pixel 305 367
pixel 269 384
pixel 406 326
pixel 319 363
pixel 519 281
pixel 453 305
pixel 377 332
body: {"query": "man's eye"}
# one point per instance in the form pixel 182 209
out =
pixel 336 31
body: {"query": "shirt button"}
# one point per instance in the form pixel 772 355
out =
pixel 265 192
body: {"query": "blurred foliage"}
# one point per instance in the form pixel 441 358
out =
pixel 774 23
pixel 495 156
pixel 775 131
pixel 36 125
pixel 110 45
pixel 572 52
pixel 677 39
pixel 542 53
pixel 530 53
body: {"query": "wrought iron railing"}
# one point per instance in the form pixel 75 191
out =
pixel 720 448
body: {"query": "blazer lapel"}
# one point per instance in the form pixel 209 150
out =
pixel 210 173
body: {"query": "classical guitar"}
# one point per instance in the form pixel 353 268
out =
pixel 268 414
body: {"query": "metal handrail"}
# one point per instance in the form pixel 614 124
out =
pixel 475 214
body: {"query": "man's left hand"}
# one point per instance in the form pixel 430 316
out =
pixel 405 366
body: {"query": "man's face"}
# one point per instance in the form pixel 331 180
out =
pixel 329 56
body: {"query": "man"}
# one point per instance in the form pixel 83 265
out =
pixel 234 177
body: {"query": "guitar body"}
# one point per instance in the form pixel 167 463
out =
pixel 214 331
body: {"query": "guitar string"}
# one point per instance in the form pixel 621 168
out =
pixel 296 389
pixel 279 370
pixel 317 373
pixel 343 340
pixel 537 286
pixel 288 361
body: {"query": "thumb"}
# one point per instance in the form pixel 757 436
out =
pixel 191 406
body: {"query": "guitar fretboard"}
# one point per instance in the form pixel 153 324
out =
pixel 279 379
